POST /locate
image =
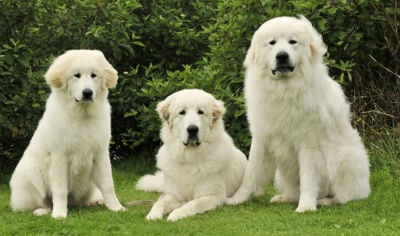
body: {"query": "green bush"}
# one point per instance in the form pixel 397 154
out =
pixel 161 46
pixel 31 34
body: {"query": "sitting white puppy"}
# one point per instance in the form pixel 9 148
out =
pixel 199 165
pixel 67 161
pixel 300 121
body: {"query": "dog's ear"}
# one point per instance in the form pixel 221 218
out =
pixel 55 75
pixel 250 56
pixel 218 110
pixel 317 46
pixel 163 109
pixel 110 77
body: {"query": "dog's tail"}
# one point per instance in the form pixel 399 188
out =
pixel 151 183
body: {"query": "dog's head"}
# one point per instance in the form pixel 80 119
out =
pixel 190 115
pixel 283 45
pixel 82 74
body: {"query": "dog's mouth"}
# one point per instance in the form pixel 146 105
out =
pixel 193 136
pixel 83 100
pixel 192 141
pixel 284 69
pixel 86 96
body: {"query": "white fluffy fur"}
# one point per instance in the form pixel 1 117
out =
pixel 67 160
pixel 299 121
pixel 198 176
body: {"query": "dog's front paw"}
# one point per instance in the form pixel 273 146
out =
pixel 242 195
pixel 231 201
pixel 236 199
pixel 116 207
pixel 306 204
pixel 176 215
pixel 305 208
pixel 154 215
pixel 119 208
pixel 58 214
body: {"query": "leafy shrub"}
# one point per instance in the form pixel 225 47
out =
pixel 30 34
pixel 20 84
pixel 161 46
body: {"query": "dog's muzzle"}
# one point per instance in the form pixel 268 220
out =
pixel 283 64
pixel 87 96
pixel 193 137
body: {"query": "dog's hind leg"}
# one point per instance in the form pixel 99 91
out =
pixel 41 211
pixel 351 181
pixel 25 197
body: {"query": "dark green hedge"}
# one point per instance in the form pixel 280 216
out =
pixel 161 46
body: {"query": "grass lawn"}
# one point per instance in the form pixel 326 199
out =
pixel 377 215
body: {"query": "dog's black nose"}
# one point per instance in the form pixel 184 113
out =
pixel 192 130
pixel 87 94
pixel 282 57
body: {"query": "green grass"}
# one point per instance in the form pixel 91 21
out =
pixel 377 215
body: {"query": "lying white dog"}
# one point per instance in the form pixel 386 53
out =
pixel 67 160
pixel 299 121
pixel 199 165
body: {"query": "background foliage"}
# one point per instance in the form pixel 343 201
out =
pixel 161 46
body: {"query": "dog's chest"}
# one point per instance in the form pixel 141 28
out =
pixel 186 171
pixel 80 170
pixel 186 178
pixel 184 181
pixel 82 136
pixel 82 144
pixel 279 114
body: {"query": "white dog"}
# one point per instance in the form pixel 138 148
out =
pixel 199 165
pixel 300 121
pixel 67 161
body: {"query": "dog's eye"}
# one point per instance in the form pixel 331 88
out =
pixel 183 112
pixel 77 75
pixel 292 41
pixel 272 42
pixel 200 112
pixel 93 75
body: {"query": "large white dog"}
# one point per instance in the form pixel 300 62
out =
pixel 67 161
pixel 300 121
pixel 199 165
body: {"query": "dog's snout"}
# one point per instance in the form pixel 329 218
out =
pixel 282 56
pixel 87 93
pixel 192 130
pixel 283 63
